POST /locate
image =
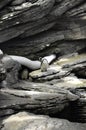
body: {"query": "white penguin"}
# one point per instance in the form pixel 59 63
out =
pixel 24 74
pixel 1 54
pixel 44 65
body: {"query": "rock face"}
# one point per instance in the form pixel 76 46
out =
pixel 29 121
pixel 11 68
pixel 48 102
pixel 37 28
pixel 45 24
pixel 4 3
pixel 74 63
pixel 55 94
pixel 2 72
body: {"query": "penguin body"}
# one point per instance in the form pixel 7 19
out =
pixel 44 65
pixel 24 74
pixel 1 54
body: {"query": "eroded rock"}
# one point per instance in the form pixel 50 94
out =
pixel 12 70
pixel 24 120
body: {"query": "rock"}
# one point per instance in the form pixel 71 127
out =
pixel 9 20
pixel 50 71
pixel 65 6
pixel 12 68
pixel 38 25
pixel 4 3
pixel 68 82
pixel 24 120
pixel 77 11
pixel 35 99
pixel 79 105
pixel 42 46
pixel 66 61
pixel 32 1
pixel 80 70
pixel 2 72
pixel 6 112
pixel 34 29
pixel 17 2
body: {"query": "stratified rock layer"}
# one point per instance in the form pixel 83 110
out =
pixel 29 121
pixel 41 27
pixel 35 29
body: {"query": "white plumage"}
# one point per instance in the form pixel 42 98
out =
pixel 44 65
pixel 1 52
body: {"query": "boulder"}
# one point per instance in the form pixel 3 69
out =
pixel 25 120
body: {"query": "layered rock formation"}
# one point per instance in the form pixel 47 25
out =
pixel 37 28
pixel 45 24
pixel 29 121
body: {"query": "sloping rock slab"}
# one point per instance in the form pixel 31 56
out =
pixel 24 120
pixel 53 72
pixel 4 3
pixel 71 60
pixel 50 71
pixel 35 101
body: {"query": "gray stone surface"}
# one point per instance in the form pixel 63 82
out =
pixel 23 121
pixel 46 102
pixel 34 29
pixel 47 25
pixel 12 69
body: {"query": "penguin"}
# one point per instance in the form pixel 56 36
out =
pixel 1 54
pixel 44 65
pixel 24 73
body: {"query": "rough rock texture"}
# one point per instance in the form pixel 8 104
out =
pixel 11 69
pixel 45 24
pixel 50 101
pixel 2 72
pixel 56 92
pixel 65 66
pixel 36 28
pixel 24 120
pixel 3 3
